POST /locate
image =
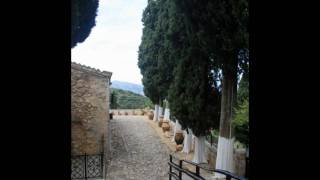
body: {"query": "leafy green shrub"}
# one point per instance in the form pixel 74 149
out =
pixel 241 123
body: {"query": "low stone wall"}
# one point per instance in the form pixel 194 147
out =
pixel 240 162
pixel 132 112
pixel 239 159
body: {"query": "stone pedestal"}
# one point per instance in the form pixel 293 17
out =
pixel 179 147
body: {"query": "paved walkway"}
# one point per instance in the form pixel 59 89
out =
pixel 137 152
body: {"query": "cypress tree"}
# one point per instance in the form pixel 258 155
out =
pixel 194 95
pixel 227 34
pixel 147 55
pixel 83 14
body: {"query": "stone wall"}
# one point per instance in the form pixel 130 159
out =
pixel 89 110
pixel 134 112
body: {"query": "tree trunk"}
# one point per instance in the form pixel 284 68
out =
pixel 225 142
pixel 160 111
pixel 167 114
pixel 177 127
pixel 156 111
pixel 160 108
pixel 187 142
pixel 199 151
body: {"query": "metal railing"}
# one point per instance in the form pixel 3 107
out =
pixel 195 175
pixel 87 166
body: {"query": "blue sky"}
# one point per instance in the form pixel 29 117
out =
pixel 114 41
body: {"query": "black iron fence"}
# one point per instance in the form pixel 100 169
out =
pixel 195 175
pixel 87 166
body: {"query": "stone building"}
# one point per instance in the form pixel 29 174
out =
pixel 89 110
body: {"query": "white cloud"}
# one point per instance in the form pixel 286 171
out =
pixel 114 41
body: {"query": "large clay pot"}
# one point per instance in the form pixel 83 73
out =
pixel 165 126
pixel 179 137
pixel 160 121
pixel 150 115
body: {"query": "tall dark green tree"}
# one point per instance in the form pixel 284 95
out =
pixel 194 95
pixel 83 14
pixel 148 54
pixel 227 29
pixel 113 100
pixel 147 59
pixel 199 41
pixel 220 27
pixel 164 33
pixel 194 99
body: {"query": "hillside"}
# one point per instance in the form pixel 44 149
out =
pixel 128 100
pixel 136 88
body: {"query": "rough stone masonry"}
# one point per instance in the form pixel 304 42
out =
pixel 89 110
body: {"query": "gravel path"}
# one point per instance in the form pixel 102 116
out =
pixel 137 152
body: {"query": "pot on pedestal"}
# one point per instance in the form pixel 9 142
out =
pixel 160 121
pixel 150 115
pixel 179 137
pixel 165 126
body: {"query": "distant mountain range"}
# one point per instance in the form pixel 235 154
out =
pixel 136 88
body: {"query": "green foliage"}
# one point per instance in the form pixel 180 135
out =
pixel 243 91
pixel 83 14
pixel 194 99
pixel 241 123
pixel 194 95
pixel 148 50
pixel 129 100
pixel 213 135
pixel 166 64
pixel 157 58
pixel 113 99
pixel 185 45
pixel 241 117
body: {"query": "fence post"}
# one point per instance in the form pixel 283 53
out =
pixel 228 177
pixel 180 172
pixel 170 168
pixel 197 171
pixel 247 167
pixel 85 166
pixel 102 165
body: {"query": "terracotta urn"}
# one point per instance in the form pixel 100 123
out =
pixel 179 137
pixel 165 126
pixel 160 121
pixel 150 115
